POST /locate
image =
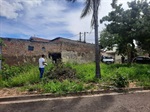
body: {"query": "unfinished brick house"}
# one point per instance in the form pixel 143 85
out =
pixel 19 51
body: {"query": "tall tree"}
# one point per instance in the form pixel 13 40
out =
pixel 121 23
pixel 142 11
pixel 131 24
pixel 93 5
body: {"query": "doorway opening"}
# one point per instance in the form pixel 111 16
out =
pixel 56 57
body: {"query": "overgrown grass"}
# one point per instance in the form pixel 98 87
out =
pixel 85 72
pixel 27 77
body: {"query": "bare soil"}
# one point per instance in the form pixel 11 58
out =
pixel 5 92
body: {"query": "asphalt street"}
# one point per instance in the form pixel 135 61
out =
pixel 114 102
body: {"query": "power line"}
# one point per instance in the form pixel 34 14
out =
pixel 73 36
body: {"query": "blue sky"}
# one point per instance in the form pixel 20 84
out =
pixel 48 19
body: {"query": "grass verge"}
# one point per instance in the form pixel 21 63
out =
pixel 113 75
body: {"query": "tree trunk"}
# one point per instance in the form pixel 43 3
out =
pixel 97 49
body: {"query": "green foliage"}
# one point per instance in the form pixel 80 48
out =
pixel 120 81
pixel 145 82
pixel 35 87
pixel 85 72
pixel 1 82
pixel 64 87
pixel 22 79
pixel 107 40
pixel 15 76
pixel 28 76
pixel 131 24
pixel 11 71
pixel 52 87
pixel 71 86
pixel 60 72
pixel 136 72
pixel 117 74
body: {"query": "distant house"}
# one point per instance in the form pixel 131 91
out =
pixel 112 53
pixel 19 51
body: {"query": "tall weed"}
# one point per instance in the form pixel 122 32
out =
pixel 63 87
pixel 29 77
pixel 85 72
pixel 11 71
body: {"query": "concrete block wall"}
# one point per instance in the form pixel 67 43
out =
pixel 78 52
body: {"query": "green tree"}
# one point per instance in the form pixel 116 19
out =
pixel 142 25
pixel 131 24
pixel 107 40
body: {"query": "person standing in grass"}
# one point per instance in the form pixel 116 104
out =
pixel 42 64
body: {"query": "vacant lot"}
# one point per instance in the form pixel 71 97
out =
pixel 63 78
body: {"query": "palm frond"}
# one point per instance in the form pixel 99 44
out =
pixel 92 20
pixel 87 9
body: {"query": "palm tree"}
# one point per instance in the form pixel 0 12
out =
pixel 93 5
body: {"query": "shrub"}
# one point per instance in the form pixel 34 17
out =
pixel 85 72
pixel 120 81
pixel 66 86
pixel 11 71
pixel 61 72
pixel 52 87
pixel 29 77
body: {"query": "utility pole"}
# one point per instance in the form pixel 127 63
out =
pixel 97 49
pixel 85 36
pixel 80 34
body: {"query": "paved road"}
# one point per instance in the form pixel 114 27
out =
pixel 137 102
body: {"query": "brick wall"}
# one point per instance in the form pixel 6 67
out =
pixel 16 51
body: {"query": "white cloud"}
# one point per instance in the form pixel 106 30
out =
pixel 35 17
pixel 9 10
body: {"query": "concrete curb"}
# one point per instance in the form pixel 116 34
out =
pixel 49 95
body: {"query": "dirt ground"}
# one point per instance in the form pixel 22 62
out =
pixel 11 92
pixel 4 92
